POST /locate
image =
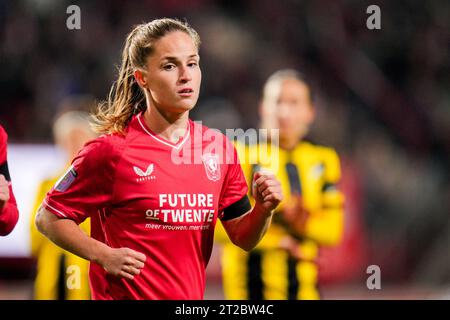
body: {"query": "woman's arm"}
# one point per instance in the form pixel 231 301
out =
pixel 122 262
pixel 247 230
pixel 8 207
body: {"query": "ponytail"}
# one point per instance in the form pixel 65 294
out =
pixel 124 100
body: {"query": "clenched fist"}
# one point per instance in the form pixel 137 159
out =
pixel 266 190
pixel 123 262
pixel 4 191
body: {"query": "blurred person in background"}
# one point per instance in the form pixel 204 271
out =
pixel 8 207
pixel 284 264
pixel 55 266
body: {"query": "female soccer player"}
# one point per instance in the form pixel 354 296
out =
pixel 284 265
pixel 155 182
pixel 8 207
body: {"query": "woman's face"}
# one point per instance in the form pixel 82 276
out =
pixel 173 74
pixel 289 109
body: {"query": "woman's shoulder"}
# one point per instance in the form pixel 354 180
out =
pixel 105 146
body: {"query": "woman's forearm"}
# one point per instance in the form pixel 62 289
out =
pixel 247 230
pixel 121 262
pixel 68 235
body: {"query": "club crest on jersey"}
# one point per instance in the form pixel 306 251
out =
pixel 212 167
pixel 144 175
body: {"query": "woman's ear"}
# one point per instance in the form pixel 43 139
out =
pixel 140 78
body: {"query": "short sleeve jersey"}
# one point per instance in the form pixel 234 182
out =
pixel 158 198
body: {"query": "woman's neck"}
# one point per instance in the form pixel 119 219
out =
pixel 169 126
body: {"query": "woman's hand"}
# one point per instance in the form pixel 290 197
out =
pixel 122 262
pixel 247 230
pixel 4 191
pixel 266 190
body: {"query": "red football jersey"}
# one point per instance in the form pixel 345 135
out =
pixel 158 198
pixel 9 214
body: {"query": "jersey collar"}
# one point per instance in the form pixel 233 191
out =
pixel 162 140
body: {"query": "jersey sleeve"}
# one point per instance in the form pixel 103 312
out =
pixel 86 187
pixel 233 201
pixel 9 214
pixel 332 197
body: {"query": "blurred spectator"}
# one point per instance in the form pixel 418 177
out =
pixel 60 274
pixel 285 264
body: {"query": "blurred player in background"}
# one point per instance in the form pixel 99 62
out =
pixel 8 207
pixel 155 183
pixel 284 264
pixel 55 266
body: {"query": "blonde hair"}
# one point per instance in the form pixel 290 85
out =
pixel 272 89
pixel 274 81
pixel 126 98
pixel 70 120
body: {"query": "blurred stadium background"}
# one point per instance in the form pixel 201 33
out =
pixel 383 102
